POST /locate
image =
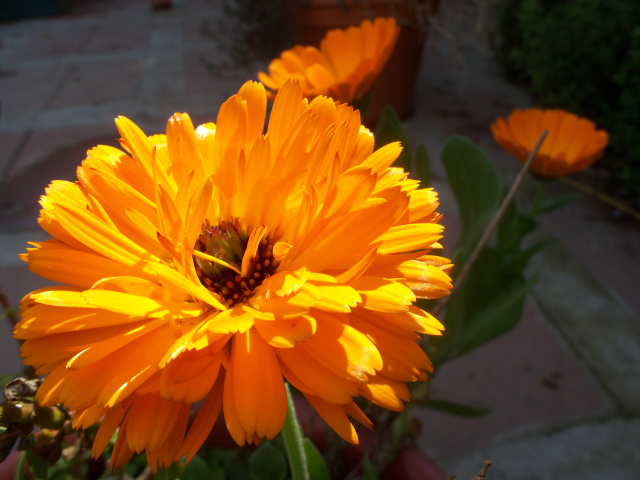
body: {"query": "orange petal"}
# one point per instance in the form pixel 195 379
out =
pixel 107 428
pixel 281 333
pixel 259 393
pixel 342 349
pixel 203 422
pixel 335 416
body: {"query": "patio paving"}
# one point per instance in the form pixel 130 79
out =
pixel 563 386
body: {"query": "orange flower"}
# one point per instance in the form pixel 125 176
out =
pixel 213 263
pixel 572 143
pixel 344 68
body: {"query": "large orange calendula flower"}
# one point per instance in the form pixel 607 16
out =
pixel 211 264
pixel 345 66
pixel 572 143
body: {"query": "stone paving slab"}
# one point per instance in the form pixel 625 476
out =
pixel 10 141
pixel 20 102
pixel 49 39
pixel 599 450
pixel 602 332
pixel 120 31
pixel 100 81
pixel 605 241
pixel 527 378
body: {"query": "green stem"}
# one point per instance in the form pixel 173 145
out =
pixel 542 187
pixel 292 434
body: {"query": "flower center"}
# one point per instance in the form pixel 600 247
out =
pixel 228 242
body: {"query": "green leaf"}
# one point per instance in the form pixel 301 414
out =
pixel 363 104
pixel 476 185
pixel 495 319
pixel 390 130
pixel 422 166
pixel 267 463
pixel 368 470
pixel 58 475
pixel 399 426
pixel 236 469
pixel 519 262
pixel 556 202
pixel 318 469
pixel 512 228
pixel 486 305
pixel 20 473
pixel 133 467
pixel 37 465
pixel 484 282
pixel 198 469
pixel 456 409
pixel 174 472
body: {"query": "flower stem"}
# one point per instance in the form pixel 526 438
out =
pixel 542 187
pixel 494 221
pixel 612 202
pixel 292 434
pixel 505 203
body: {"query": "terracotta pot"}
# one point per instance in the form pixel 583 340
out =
pixel 412 464
pixel 161 4
pixel 396 84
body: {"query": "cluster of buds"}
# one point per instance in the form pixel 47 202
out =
pixel 27 426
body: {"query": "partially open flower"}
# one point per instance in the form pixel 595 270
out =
pixel 345 66
pixel 572 144
pixel 214 263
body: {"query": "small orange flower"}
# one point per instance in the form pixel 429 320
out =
pixel 344 68
pixel 573 143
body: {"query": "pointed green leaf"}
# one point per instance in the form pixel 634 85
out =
pixel 519 262
pixel 174 472
pixel 368 470
pixel 556 202
pixel 399 426
pixel 318 469
pixel 390 130
pixel 495 319
pixel 512 228
pixel 198 469
pixel 422 166
pixel 37 465
pixel 476 185
pixel 267 463
pixel 20 473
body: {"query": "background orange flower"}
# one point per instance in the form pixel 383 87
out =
pixel 345 66
pixel 572 143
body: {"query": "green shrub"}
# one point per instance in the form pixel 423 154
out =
pixel 583 56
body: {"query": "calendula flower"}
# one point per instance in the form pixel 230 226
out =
pixel 345 66
pixel 211 264
pixel 572 143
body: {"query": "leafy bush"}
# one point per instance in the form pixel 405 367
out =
pixel 252 31
pixel 583 56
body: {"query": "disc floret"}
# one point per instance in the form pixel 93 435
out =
pixel 227 241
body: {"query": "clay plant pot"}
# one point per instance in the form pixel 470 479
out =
pixel 396 84
pixel 161 4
